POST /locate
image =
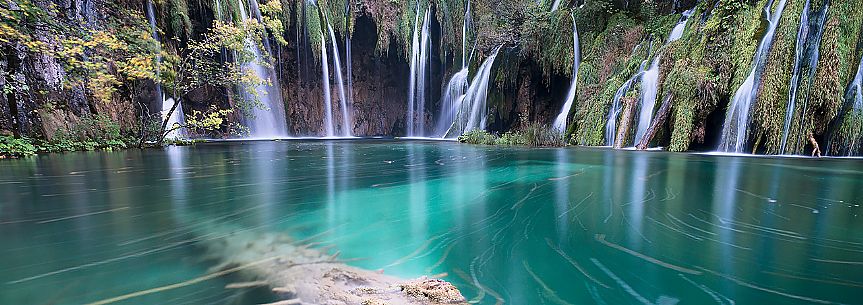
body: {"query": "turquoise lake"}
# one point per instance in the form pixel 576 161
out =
pixel 512 225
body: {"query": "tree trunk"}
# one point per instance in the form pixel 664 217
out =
pixel 625 122
pixel 658 120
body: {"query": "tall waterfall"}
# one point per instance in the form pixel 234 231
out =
pixel 457 85
pixel 420 51
pixel 472 110
pixel 650 80
pixel 176 117
pixel 736 126
pixel 560 120
pixel 616 107
pixel 343 101
pixel 325 77
pixel 806 55
pixel 268 118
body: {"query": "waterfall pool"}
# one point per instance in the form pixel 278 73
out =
pixel 518 225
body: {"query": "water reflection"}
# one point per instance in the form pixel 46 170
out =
pixel 525 226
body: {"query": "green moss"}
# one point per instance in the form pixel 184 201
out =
pixel 841 51
pixel 768 113
pixel 608 61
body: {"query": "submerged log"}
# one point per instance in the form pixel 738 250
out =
pixel 658 120
pixel 626 117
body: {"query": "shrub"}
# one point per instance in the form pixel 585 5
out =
pixel 478 136
pixel 534 134
pixel 12 147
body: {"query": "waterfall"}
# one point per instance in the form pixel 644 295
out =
pixel 452 96
pixel 177 116
pixel 650 80
pixel 472 110
pixel 457 85
pixel 857 89
pixel 268 116
pixel 343 101
pixel 735 128
pixel 555 5
pixel 560 121
pixel 616 107
pixel 325 77
pixel 807 46
pixel 420 49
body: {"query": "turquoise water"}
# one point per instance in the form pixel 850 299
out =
pixel 522 226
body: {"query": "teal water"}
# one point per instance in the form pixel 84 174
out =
pixel 523 226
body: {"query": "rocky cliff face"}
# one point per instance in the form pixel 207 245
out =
pixel 39 99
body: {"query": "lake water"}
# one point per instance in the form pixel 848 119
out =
pixel 517 225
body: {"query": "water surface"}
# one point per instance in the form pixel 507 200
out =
pixel 517 225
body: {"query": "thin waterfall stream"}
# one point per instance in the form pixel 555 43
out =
pixel 420 57
pixel 343 101
pixel 736 126
pixel 560 120
pixel 806 57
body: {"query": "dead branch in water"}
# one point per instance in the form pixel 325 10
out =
pixel 659 120
pixel 203 278
pixel 625 122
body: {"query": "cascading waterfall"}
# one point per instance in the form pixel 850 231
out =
pixel 650 80
pixel 343 101
pixel 268 119
pixel 616 107
pixel 452 95
pixel 560 120
pixel 736 126
pixel 328 102
pixel 176 117
pixel 457 85
pixel 807 47
pixel 420 49
pixel 471 107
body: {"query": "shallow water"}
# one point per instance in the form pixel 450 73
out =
pixel 526 226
